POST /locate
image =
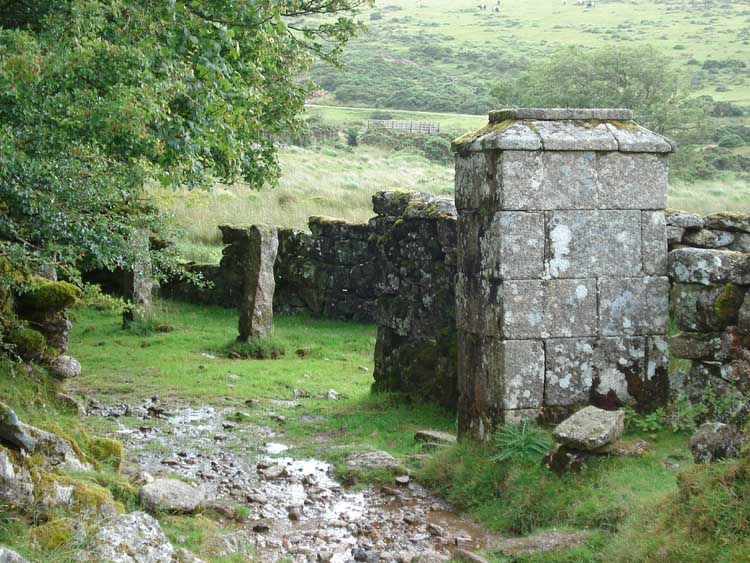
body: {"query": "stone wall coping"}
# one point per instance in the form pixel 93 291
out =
pixel 600 130
pixel 560 114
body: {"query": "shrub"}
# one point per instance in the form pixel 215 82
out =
pixel 437 148
pixel 730 140
pixel 28 343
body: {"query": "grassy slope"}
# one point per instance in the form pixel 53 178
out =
pixel 511 499
pixel 702 30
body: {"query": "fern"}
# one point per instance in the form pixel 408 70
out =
pixel 521 443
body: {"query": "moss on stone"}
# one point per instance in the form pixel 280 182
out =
pixel 54 534
pixel 47 297
pixel 472 136
pixel 108 451
pixel 89 497
pixel 30 344
pixel 728 303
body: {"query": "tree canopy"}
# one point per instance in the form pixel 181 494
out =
pixel 640 78
pixel 100 97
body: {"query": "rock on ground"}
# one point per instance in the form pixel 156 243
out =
pixel 171 495
pixel 468 557
pixel 539 543
pixel 64 367
pixel 8 556
pixel 12 431
pixel 590 429
pixel 714 441
pixel 16 486
pixel 56 452
pixel 368 461
pixel 131 538
pixel 435 437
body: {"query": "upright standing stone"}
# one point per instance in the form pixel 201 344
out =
pixel 138 283
pixel 260 243
pixel 561 293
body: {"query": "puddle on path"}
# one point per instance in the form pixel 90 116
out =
pixel 298 510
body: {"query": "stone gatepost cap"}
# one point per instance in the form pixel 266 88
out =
pixel 563 129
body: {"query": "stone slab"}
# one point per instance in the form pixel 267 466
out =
pixel 594 243
pixel 590 428
pixel 556 114
pixel 634 138
pixel 709 238
pixel 575 136
pixel 570 308
pixel 256 306
pixel 633 306
pixel 684 219
pixel 507 136
pixel 523 373
pixel 632 181
pixel 728 221
pixel 476 184
pixel 512 247
pixel 548 180
pixel 654 243
pixel 708 266
pixel 700 308
pixel 523 309
pixel 479 305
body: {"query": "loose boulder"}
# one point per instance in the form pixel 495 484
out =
pixel 12 431
pixel 8 556
pixel 371 461
pixel 65 367
pixel 590 429
pixel 714 441
pixel 131 538
pixel 171 495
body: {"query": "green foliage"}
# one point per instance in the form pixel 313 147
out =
pixel 521 443
pixel 639 78
pixel 645 422
pixel 255 349
pixel 98 98
pixel 43 297
pixel 730 140
pixel 27 343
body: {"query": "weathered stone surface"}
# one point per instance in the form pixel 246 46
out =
pixel 654 246
pixel 707 267
pixel 507 136
pixel 674 235
pixel 570 308
pixel 8 556
pixel 171 495
pixel 575 136
pixel 513 246
pixel 708 346
pixel 569 370
pixel 464 556
pixel 138 281
pixel 708 238
pixel 12 431
pixel 632 181
pixel 16 486
pixel 256 307
pixel 741 242
pixel 477 186
pixel 743 317
pixel 55 451
pixel 715 441
pixel 64 367
pixel 728 221
pixel 630 306
pixel 480 304
pixel 548 180
pixel 130 538
pixel 541 542
pixel 700 308
pixel 523 370
pixel 521 308
pixel 371 461
pixel 683 219
pixel 590 428
pixel 562 114
pixel 620 369
pixel 435 437
pixel 594 243
pixel 634 138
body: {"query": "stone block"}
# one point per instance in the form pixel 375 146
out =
pixel 594 243
pixel 620 365
pixel 569 371
pixel 653 229
pixel 476 185
pixel 709 238
pixel 523 309
pixel 674 235
pixel 632 181
pixel 506 136
pixel 635 138
pixel 633 306
pixel 699 308
pixel 548 180
pixel 479 305
pixel 562 114
pixel 522 371
pixel 743 318
pixel 570 308
pixel 575 136
pixel 706 346
pixel 683 219
pixel 728 221
pixel 512 247
pixel 707 267
pixel 741 242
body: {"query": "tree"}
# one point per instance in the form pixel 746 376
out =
pixel 100 97
pixel 639 78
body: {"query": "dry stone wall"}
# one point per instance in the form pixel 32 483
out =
pixel 415 238
pixel 709 265
pixel 562 294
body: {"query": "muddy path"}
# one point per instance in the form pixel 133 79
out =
pixel 294 508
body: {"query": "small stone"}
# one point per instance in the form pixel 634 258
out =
pixel 435 437
pixel 707 238
pixel 683 219
pixel 590 428
pixel 171 495
pixel 8 556
pixel 274 472
pixel 403 480
pixel 261 528
pixel 728 221
pixel 12 432
pixel 714 441
pixel 64 367
pixel 369 461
